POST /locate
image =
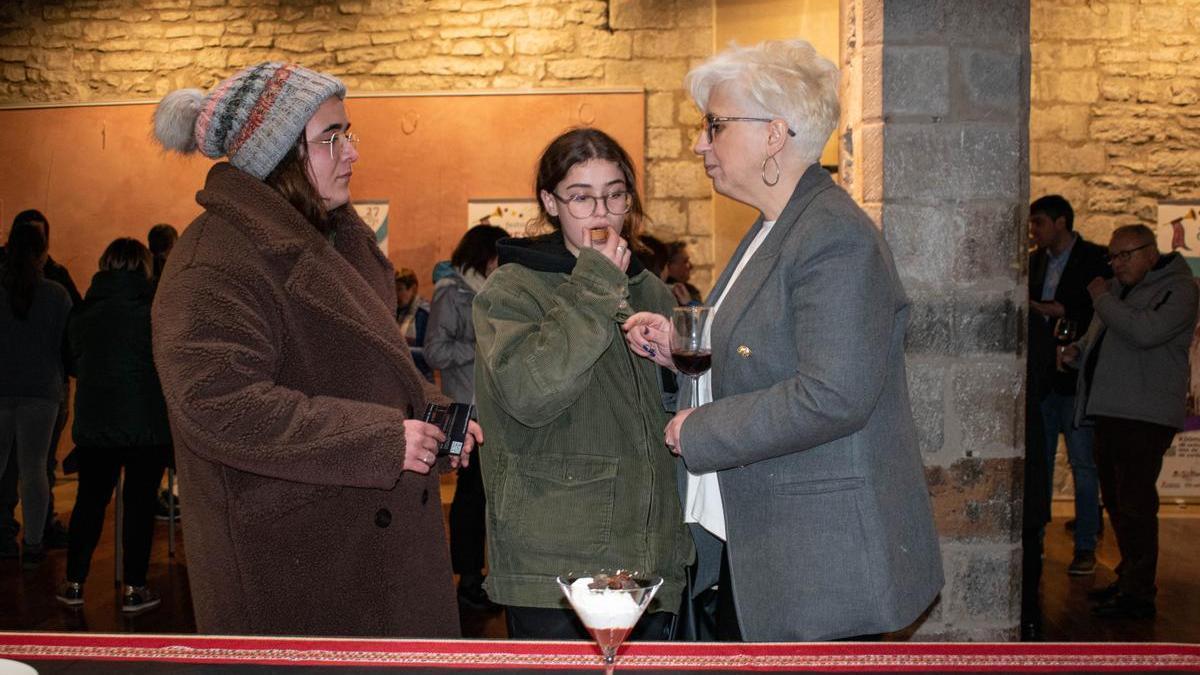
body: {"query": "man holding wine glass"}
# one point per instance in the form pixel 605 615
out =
pixel 804 487
pixel 1059 310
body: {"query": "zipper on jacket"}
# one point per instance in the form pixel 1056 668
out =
pixel 637 385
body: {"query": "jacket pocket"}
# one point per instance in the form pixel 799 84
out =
pixel 821 486
pixel 566 503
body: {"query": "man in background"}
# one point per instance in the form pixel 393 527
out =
pixel 412 313
pixel 1059 271
pixel 1133 377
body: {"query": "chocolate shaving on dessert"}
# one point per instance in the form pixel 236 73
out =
pixel 616 581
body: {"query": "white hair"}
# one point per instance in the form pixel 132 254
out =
pixel 786 79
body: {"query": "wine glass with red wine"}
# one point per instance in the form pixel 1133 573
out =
pixel 691 344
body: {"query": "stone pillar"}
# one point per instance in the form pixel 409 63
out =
pixel 936 147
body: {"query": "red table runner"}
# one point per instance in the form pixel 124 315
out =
pixel 528 655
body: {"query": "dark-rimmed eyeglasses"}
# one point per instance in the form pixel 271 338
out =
pixel 712 124
pixel 583 206
pixel 338 141
pixel 1125 255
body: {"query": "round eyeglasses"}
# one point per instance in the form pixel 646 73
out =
pixel 338 141
pixel 583 206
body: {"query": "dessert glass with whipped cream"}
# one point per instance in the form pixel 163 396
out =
pixel 609 603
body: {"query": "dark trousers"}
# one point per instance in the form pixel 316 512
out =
pixel 538 623
pixel 9 496
pixel 99 469
pixel 711 616
pixel 468 521
pixel 1129 456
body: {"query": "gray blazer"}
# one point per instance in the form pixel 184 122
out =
pixel 828 520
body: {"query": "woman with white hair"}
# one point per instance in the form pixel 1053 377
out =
pixel 804 487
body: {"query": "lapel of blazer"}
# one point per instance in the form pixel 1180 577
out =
pixel 756 272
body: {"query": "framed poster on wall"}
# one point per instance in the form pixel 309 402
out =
pixel 1179 232
pixel 514 215
pixel 375 214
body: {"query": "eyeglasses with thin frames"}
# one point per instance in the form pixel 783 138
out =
pixel 712 124
pixel 337 142
pixel 1125 255
pixel 583 206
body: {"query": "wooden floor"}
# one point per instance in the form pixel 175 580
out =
pixel 27 598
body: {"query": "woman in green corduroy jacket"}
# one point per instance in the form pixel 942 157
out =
pixel 576 473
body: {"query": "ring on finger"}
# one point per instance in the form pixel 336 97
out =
pixel 620 248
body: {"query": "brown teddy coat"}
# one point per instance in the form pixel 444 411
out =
pixel 287 383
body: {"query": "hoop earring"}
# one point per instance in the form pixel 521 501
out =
pixel 770 183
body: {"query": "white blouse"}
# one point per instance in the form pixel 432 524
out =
pixel 703 504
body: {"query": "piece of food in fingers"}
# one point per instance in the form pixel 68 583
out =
pixel 599 236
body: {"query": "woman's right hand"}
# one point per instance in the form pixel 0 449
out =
pixel 1067 356
pixel 616 249
pixel 421 440
pixel 649 336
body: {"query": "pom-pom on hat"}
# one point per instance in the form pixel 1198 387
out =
pixel 253 118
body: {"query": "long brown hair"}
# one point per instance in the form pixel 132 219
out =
pixel 128 255
pixel 290 179
pixel 576 147
pixel 25 251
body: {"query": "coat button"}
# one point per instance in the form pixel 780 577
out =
pixel 383 518
pixel 424 495
pixel 744 351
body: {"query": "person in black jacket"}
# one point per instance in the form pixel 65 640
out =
pixel 1059 271
pixel 120 419
pixel 55 535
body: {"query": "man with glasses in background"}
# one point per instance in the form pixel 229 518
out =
pixel 1133 376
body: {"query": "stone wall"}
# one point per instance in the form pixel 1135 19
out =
pixel 1115 118
pixel 935 145
pixel 92 50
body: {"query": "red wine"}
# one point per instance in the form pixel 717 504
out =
pixel 693 361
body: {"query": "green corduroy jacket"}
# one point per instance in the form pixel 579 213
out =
pixel 574 467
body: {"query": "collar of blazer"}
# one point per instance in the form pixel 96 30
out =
pixel 814 181
pixel 350 284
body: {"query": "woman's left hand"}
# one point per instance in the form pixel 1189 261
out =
pixel 474 439
pixel 674 429
pixel 649 336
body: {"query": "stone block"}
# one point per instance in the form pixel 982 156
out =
pixel 1174 163
pixel 308 43
pixel 700 216
pixel 977 499
pixel 660 110
pixel 988 405
pixel 345 41
pixel 364 54
pixel 601 45
pixel 1073 86
pixel 677 179
pixel 930 329
pixel 1084 22
pixel 468 48
pixel 1154 19
pixel 634 14
pixel 546 17
pixel 926 391
pixel 513 17
pixel 575 69
pixel 14 72
pixel 667 217
pixel 1118 89
pixel 1126 130
pixel 459 20
pixel 126 61
pixel 983 589
pixel 985 324
pixel 997 22
pixel 989 83
pixel 1059 122
pixel 538 42
pixel 672 43
pixel 663 143
pixel 666 75
pixel 912 231
pixel 1049 157
pixel 397 67
pixel 593 13
pixel 449 65
pixel 952 161
pixel 916 80
pixel 1062 56
pixel 460 32
pixel 993 243
pixel 904 22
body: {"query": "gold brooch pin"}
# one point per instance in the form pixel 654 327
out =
pixel 744 351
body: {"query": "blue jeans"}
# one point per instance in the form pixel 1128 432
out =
pixel 1058 412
